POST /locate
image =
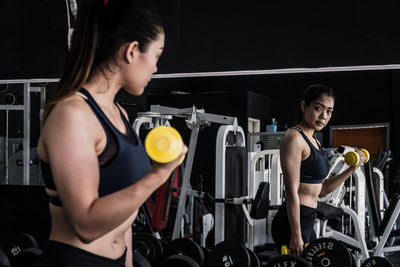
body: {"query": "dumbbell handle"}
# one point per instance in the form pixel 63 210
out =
pixel 352 158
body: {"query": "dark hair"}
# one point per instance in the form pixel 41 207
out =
pixel 312 93
pixel 102 27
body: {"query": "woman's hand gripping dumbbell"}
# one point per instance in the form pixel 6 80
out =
pixel 357 158
pixel 164 145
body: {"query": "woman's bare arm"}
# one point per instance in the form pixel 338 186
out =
pixel 70 141
pixel 291 156
pixel 331 183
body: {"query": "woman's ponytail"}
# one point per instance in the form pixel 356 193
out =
pixel 80 58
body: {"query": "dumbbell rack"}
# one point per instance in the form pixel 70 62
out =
pixel 26 108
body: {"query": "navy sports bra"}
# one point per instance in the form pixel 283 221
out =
pixel 316 167
pixel 123 161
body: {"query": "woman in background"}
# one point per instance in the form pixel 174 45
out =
pixel 305 168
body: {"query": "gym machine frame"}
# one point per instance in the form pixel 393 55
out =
pixel 335 199
pixel 26 108
pixel 221 144
pixel 257 231
pixel 357 214
pixel 194 119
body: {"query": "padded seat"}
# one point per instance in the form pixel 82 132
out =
pixel 328 212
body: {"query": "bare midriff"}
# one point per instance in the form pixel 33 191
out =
pixel 111 245
pixel 308 194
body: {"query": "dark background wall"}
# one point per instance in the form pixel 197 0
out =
pixel 207 36
pixel 219 35
pixel 236 35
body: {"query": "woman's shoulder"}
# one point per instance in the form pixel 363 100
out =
pixel 72 107
pixel 69 114
pixel 293 134
pixel 293 137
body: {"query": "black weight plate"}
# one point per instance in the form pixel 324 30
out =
pixel 288 260
pixel 4 262
pixel 17 242
pixel 229 253
pixel 254 261
pixel 140 261
pixel 376 261
pixel 206 253
pixel 324 252
pixel 179 261
pixel 26 258
pixel 148 246
pixel 164 245
pixel 185 246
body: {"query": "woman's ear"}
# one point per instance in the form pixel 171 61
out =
pixel 130 51
pixel 303 105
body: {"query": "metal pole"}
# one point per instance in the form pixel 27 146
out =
pixel 185 182
pixel 6 150
pixel 27 133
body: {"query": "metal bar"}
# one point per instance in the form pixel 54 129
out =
pixel 169 194
pixel 388 229
pixel 185 182
pixel 36 89
pixel 361 127
pixel 217 118
pixel 173 111
pixel 219 225
pixel 27 133
pixel 40 80
pixel 237 73
pixel 42 101
pixel 194 193
pixel 209 117
pixel 277 71
pixel 6 149
pixel 11 107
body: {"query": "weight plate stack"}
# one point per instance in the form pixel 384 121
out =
pixel 288 260
pixel 148 246
pixel 187 247
pixel 327 252
pixel 376 261
pixel 229 253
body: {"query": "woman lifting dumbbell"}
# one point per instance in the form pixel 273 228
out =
pixel 305 168
pixel 96 171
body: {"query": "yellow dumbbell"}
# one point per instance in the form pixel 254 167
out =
pixel 352 158
pixel 164 144
pixel 286 251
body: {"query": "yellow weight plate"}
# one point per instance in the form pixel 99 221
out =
pixel 366 154
pixel 351 158
pixel 163 144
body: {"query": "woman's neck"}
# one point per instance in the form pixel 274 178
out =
pixel 306 128
pixel 103 88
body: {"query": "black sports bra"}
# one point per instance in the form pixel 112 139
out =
pixel 123 161
pixel 316 167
